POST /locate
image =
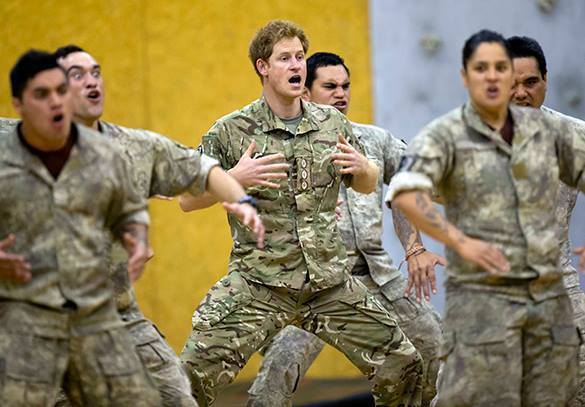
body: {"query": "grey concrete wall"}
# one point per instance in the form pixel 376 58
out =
pixel 415 82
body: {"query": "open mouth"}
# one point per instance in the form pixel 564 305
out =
pixel 340 104
pixel 295 79
pixel 93 95
pixel 58 118
pixel 493 91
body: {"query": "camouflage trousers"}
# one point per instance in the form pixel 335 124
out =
pixel 503 352
pixel 97 369
pixel 292 351
pixel 577 297
pixel 237 317
pixel 158 357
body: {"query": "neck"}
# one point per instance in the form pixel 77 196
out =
pixel 283 107
pixel 495 118
pixel 87 122
pixel 41 143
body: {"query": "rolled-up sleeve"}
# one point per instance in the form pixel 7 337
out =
pixel 425 163
pixel 177 168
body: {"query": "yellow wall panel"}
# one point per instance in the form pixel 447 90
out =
pixel 175 67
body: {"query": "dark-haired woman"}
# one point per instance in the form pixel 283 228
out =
pixel 509 335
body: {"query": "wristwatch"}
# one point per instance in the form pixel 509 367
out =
pixel 247 199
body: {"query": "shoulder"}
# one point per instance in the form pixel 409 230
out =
pixel 95 142
pixel 554 115
pixel 249 112
pixel 323 113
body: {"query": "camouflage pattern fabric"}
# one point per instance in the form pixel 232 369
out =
pixel 156 165
pixel 292 351
pixel 506 196
pixel 566 200
pixel 97 369
pixel 64 227
pixel 300 277
pixel 238 316
pixel 502 352
pixel 299 217
pixel 503 195
pixel 361 217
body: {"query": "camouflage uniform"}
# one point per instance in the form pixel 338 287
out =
pixel 566 199
pixel 292 351
pixel 157 166
pixel 300 276
pixel 509 338
pixel 62 327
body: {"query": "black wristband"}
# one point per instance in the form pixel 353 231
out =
pixel 250 200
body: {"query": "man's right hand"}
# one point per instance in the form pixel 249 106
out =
pixel 13 267
pixel 259 171
pixel 484 254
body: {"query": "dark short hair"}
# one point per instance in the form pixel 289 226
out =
pixel 473 42
pixel 319 60
pixel 28 66
pixel 526 47
pixel 62 52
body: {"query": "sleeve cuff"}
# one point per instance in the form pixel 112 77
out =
pixel 407 181
pixel 138 217
pixel 200 182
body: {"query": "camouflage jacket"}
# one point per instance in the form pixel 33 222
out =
pixel 499 193
pixel 64 227
pixel 157 166
pixel 361 220
pixel 302 240
pixel 566 200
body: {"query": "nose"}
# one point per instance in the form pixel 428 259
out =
pixel 492 74
pixel 55 100
pixel 338 92
pixel 90 80
pixel 519 92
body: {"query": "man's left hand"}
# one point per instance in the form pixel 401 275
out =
pixel 248 215
pixel 349 159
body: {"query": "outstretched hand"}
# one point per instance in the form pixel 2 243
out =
pixel 248 215
pixel 259 171
pixel 349 159
pixel 13 267
pixel 422 275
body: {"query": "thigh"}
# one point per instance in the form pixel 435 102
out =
pixel 482 351
pixel 352 320
pixel 31 369
pixel 551 344
pixel 105 370
pixel 232 322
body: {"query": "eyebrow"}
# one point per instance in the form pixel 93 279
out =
pixel 72 67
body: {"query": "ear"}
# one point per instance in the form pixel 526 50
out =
pixel 463 74
pixel 306 94
pixel 262 67
pixel 17 104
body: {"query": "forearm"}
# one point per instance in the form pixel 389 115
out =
pixel 419 208
pixel 407 234
pixel 365 182
pixel 220 187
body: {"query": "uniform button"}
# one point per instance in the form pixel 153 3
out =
pixel 225 282
pixel 303 163
pixel 304 174
pixel 304 185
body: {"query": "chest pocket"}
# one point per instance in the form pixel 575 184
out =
pixel 323 171
pixel 480 167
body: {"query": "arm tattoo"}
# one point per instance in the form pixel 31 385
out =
pixel 405 231
pixel 431 213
